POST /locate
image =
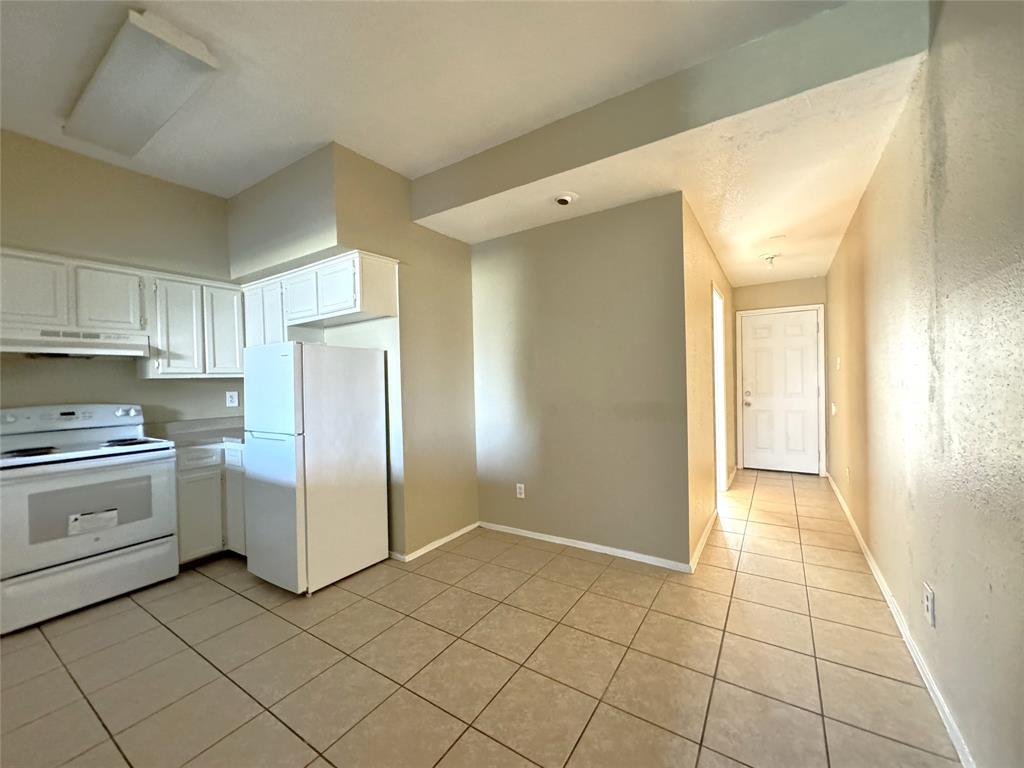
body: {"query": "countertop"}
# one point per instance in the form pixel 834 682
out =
pixel 208 437
pixel 186 434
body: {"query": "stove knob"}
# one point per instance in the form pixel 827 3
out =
pixel 132 412
pixel 9 419
pixel 119 412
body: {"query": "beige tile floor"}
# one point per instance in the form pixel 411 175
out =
pixel 496 651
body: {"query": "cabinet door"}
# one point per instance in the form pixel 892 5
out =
pixel 299 297
pixel 273 314
pixel 336 287
pixel 34 292
pixel 222 316
pixel 253 302
pixel 108 298
pixel 179 327
pixel 200 530
pixel 234 501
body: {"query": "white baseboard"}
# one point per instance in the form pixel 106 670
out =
pixel 929 680
pixel 650 559
pixel 432 545
pixel 695 557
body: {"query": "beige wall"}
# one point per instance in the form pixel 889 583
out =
pixel 701 272
pixel 61 202
pixel 579 354
pixel 787 293
pixel 57 201
pixel 288 214
pixel 49 381
pixel 925 312
pixel 430 375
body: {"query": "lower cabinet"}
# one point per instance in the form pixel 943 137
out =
pixel 234 499
pixel 211 516
pixel 200 531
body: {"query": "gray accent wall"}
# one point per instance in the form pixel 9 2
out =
pixel 580 382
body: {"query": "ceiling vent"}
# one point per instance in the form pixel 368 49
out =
pixel 148 73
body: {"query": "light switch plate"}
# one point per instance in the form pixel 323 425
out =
pixel 231 399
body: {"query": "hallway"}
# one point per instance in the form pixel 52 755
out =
pixel 498 650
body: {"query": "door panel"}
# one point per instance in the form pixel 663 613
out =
pixel 300 297
pixel 273 388
pixel 200 530
pixel 34 292
pixel 273 314
pixel 336 287
pixel 253 316
pixel 179 319
pixel 275 518
pixel 780 391
pixel 222 314
pixel 108 299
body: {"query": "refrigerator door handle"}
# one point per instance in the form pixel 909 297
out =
pixel 270 436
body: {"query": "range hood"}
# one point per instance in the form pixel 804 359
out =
pixel 44 341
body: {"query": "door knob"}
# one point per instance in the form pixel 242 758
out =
pixel 746 403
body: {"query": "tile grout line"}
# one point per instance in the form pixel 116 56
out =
pixel 604 692
pixel 814 647
pixel 721 642
pixel 89 703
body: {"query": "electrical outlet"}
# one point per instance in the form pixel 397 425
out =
pixel 837 362
pixel 835 409
pixel 929 604
pixel 520 490
pixel 231 399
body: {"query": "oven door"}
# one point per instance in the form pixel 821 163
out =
pixel 57 513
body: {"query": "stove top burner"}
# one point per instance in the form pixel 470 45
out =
pixel 25 452
pixel 127 441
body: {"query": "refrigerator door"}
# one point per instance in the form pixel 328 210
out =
pixel 275 514
pixel 346 481
pixel 273 388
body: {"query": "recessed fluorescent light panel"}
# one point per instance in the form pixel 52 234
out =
pixel 150 71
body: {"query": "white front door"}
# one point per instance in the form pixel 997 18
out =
pixel 780 391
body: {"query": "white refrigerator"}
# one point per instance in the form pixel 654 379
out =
pixel 315 463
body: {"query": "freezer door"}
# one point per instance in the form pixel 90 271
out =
pixel 273 388
pixel 275 514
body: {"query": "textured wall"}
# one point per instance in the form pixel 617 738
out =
pixel 926 304
pixel 701 271
pixel 439 486
pixel 787 293
pixel 579 354
pixel 61 202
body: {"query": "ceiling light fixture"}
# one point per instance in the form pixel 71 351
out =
pixel 150 70
pixel 770 258
pixel 567 198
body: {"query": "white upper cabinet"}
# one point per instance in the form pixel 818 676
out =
pixel 179 328
pixel 336 286
pixel 34 292
pixel 223 330
pixel 108 299
pixel 253 299
pixel 300 296
pixel 199 331
pixel 264 314
pixel 348 288
pixel 273 313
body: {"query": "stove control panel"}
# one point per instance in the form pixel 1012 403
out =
pixel 48 418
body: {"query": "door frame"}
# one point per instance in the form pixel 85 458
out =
pixel 721 442
pixel 822 442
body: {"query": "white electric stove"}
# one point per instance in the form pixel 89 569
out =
pixel 88 509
